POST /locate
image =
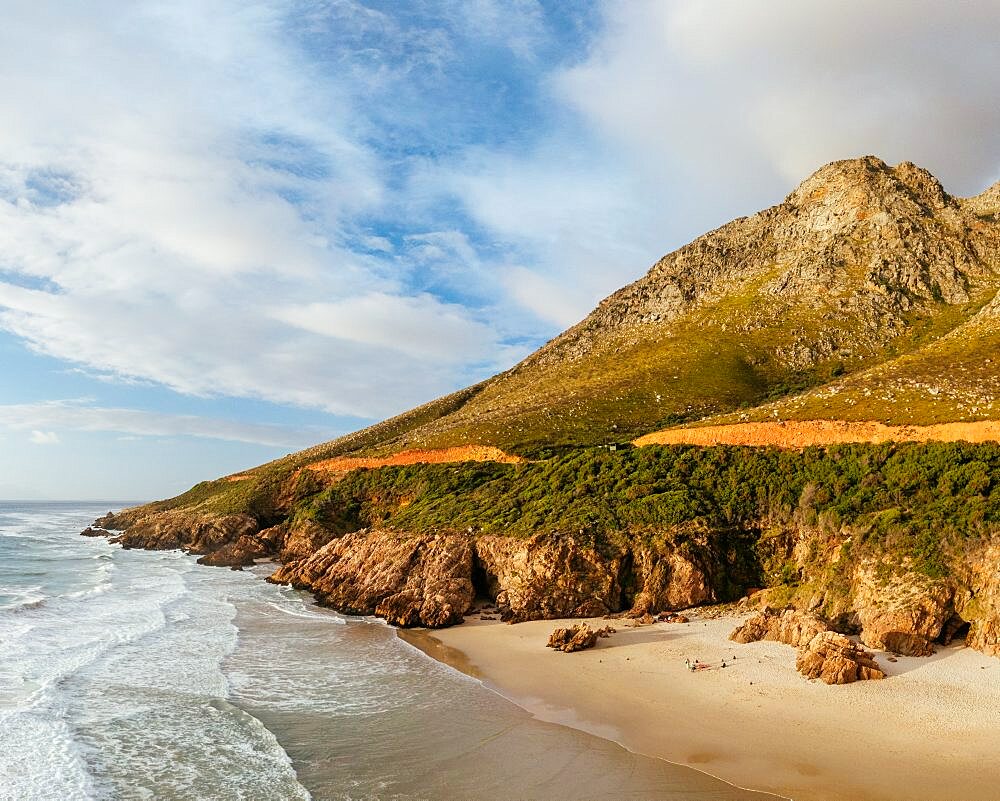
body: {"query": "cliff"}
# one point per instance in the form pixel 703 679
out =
pixel 896 542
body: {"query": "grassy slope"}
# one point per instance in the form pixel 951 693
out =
pixel 952 378
pixel 704 365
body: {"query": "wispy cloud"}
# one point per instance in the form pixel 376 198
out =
pixel 74 415
pixel 197 168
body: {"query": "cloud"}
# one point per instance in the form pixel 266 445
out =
pixel 419 326
pixel 740 92
pixel 75 415
pixel 193 170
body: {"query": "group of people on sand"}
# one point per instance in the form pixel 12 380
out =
pixel 699 665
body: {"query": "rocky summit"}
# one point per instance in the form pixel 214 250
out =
pixel 816 336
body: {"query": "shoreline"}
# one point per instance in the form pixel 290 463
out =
pixel 926 733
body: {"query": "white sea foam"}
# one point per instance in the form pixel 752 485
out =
pixel 303 612
pixel 39 760
pixel 111 684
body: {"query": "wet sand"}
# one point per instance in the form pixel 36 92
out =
pixel 929 732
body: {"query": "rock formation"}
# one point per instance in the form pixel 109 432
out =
pixel 410 580
pixel 577 638
pixel 823 654
pixel 790 627
pixel 542 578
pixel 834 659
pixel 195 533
pixel 902 613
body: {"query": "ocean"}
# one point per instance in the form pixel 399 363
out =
pixel 141 675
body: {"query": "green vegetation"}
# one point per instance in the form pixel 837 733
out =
pixel 912 501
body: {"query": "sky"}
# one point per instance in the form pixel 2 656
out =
pixel 230 229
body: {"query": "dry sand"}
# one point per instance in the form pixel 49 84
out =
pixel 929 732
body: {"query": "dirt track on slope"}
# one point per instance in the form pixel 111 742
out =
pixel 803 433
pixel 464 453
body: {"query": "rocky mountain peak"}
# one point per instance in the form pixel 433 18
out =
pixel 858 245
pixel 843 194
pixel 863 263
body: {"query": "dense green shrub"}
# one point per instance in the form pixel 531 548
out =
pixel 913 499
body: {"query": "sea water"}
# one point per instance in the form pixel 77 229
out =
pixel 142 675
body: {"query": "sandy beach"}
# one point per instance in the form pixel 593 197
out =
pixel 929 732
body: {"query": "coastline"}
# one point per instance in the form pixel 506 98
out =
pixel 926 733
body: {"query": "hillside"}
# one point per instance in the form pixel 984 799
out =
pixel 866 278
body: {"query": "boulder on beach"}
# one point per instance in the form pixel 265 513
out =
pixel 577 638
pixel 790 627
pixel 834 659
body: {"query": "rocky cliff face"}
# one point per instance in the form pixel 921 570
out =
pixel 200 534
pixel 891 604
pixel 432 580
pixel 415 579
pixel 410 580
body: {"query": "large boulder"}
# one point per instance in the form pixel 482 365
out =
pixel 834 659
pixel 577 638
pixel 790 627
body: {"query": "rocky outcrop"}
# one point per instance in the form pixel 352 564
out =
pixel 670 580
pixel 790 627
pixel 979 601
pixel 302 540
pixel 577 638
pixel 410 580
pixel 554 576
pixel 547 577
pixel 192 532
pixel 834 659
pixel 900 611
pixel 823 654
pixel 416 579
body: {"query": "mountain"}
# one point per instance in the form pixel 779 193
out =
pixel 863 305
pixel 865 274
